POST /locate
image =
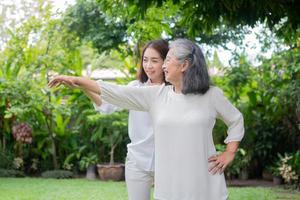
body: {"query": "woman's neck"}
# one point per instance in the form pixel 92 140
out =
pixel 155 82
pixel 177 86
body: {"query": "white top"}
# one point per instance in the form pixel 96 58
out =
pixel 183 127
pixel 140 131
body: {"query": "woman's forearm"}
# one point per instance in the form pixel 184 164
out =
pixel 88 85
pixel 93 96
pixel 232 147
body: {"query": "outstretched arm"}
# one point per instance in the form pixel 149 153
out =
pixel 133 98
pixel 90 87
pixel 77 82
pixel 94 97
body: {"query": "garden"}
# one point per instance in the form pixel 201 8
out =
pixel 52 140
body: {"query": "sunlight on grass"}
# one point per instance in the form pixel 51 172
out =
pixel 82 189
pixel 52 189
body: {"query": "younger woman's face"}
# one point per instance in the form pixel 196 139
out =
pixel 152 64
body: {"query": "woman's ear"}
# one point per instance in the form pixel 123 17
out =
pixel 185 65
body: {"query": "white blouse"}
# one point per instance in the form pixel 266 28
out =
pixel 183 127
pixel 140 130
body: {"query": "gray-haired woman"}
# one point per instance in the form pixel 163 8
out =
pixel 183 115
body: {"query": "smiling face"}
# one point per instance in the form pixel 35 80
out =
pixel 173 68
pixel 152 64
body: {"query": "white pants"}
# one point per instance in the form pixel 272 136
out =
pixel 138 182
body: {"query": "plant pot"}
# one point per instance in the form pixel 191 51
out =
pixel 277 180
pixel 91 172
pixel 114 172
pixel 267 176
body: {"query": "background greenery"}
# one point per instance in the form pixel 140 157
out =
pixel 103 33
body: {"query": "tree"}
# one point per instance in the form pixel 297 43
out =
pixel 88 21
pixel 205 16
pixel 37 47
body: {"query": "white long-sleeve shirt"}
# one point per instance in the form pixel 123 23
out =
pixel 140 131
pixel 183 127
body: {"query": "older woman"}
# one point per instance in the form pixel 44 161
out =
pixel 183 116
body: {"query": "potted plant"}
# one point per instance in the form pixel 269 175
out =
pixel 111 130
pixel 277 179
pixel 274 170
pixel 89 163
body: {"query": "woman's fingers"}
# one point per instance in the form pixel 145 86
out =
pixel 218 165
pixel 213 158
pixel 58 80
pixel 222 169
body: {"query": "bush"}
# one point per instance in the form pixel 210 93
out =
pixel 6 160
pixel 290 168
pixel 58 174
pixel 11 173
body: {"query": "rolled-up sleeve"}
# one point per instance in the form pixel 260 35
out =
pixel 231 116
pixel 106 108
pixel 128 97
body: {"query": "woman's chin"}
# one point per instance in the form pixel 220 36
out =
pixel 168 80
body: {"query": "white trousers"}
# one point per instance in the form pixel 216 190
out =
pixel 138 182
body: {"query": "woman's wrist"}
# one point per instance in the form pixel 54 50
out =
pixel 230 151
pixel 232 147
pixel 76 80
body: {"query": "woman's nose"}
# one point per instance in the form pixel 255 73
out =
pixel 148 65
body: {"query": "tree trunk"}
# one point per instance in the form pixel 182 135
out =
pixel 112 151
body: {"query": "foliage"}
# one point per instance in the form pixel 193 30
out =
pixel 88 21
pixel 289 167
pixel 36 48
pixel 13 14
pixel 87 161
pixel 11 173
pixel 274 168
pixel 206 16
pixel 6 160
pixel 109 129
pixel 58 174
pixel 167 20
pixel 268 97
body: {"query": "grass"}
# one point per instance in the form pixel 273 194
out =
pixel 81 189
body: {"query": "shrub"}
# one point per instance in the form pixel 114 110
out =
pixel 290 167
pixel 11 173
pixel 58 174
pixel 6 160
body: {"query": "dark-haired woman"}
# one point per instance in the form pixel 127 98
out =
pixel 183 116
pixel 139 166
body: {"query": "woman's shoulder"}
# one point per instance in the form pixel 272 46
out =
pixel 135 83
pixel 214 90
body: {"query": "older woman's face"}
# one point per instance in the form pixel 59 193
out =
pixel 172 68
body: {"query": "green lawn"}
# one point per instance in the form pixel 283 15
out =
pixel 75 189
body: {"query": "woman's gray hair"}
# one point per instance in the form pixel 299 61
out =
pixel 195 79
